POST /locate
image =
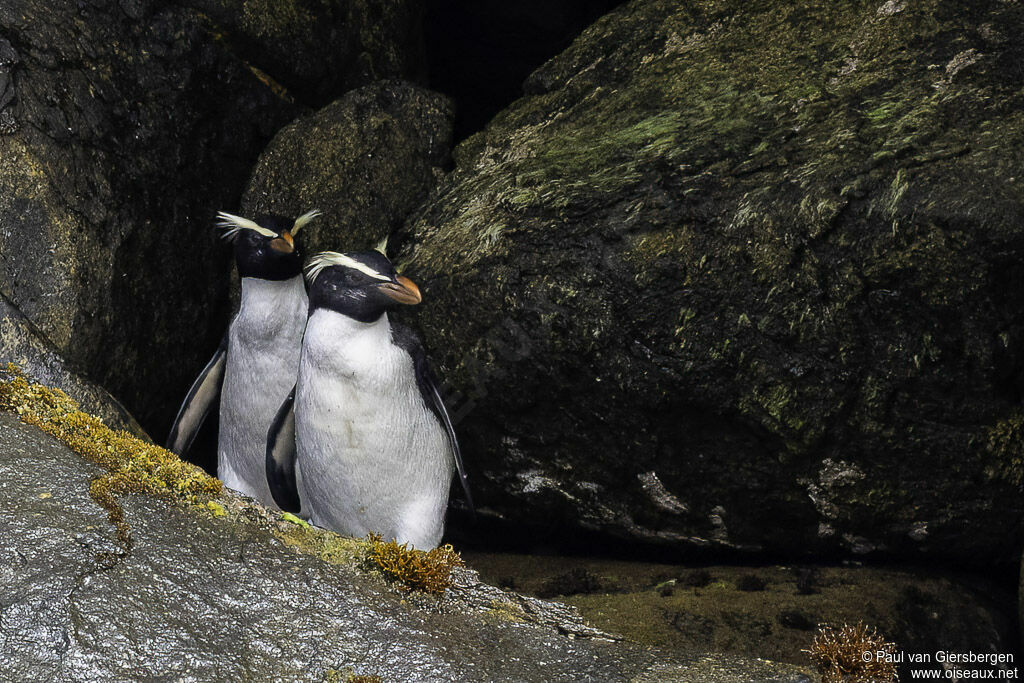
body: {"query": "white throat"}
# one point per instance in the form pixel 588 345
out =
pixel 271 305
pixel 336 341
pixel 255 289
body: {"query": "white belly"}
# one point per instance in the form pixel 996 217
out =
pixel 263 360
pixel 370 456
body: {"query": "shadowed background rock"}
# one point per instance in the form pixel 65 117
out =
pixel 125 127
pixel 746 277
pixel 22 344
pixel 366 161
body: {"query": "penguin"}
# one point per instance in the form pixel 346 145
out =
pixel 258 358
pixel 364 443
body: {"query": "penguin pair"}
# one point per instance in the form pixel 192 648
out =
pixel 363 442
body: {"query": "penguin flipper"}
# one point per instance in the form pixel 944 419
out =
pixel 281 457
pixel 407 340
pixel 201 398
pixel 443 413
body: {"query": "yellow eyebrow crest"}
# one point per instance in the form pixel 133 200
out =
pixel 232 225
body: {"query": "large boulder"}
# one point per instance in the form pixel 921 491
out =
pixel 219 596
pixel 366 161
pixel 746 276
pixel 124 127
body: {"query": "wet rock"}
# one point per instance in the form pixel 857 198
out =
pixel 366 161
pixel 745 277
pixel 22 344
pixel 214 596
pixel 8 60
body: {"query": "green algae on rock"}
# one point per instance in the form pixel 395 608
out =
pixel 696 609
pixel 133 465
pixel 747 276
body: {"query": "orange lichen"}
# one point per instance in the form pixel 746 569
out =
pixel 427 571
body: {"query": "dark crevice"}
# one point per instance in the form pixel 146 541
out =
pixel 479 52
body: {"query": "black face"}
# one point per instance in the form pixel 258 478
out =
pixel 363 296
pixel 268 258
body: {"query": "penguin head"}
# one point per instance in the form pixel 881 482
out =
pixel 266 248
pixel 362 285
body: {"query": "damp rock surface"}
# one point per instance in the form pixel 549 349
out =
pixel 217 595
pixel 745 277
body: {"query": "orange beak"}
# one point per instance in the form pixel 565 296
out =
pixel 284 244
pixel 404 291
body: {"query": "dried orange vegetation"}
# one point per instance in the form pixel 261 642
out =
pixel 427 571
pixel 134 466
pixel 850 655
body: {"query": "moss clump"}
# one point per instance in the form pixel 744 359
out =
pixel 506 611
pixel 841 655
pixel 326 545
pixel 134 466
pixel 1005 441
pixel 216 509
pixel 427 571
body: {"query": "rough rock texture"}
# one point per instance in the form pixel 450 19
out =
pixel 318 49
pixel 770 612
pixel 124 127
pixel 747 276
pixel 22 344
pixel 366 161
pixel 218 598
pixel 130 126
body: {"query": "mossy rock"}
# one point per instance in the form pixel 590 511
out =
pixel 366 161
pixel 746 276
pixel 289 603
